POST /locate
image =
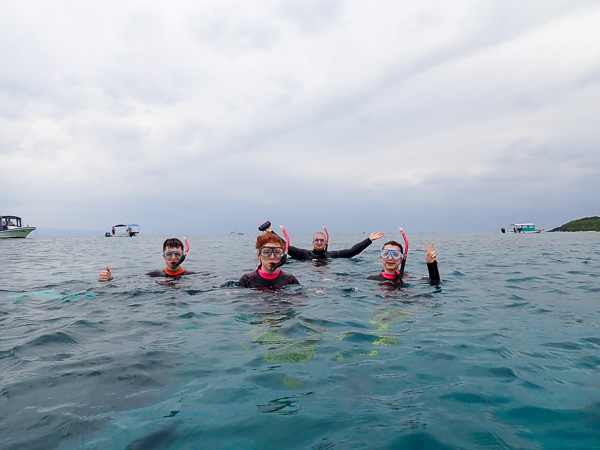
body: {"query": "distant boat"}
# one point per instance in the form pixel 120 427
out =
pixel 522 228
pixel 124 230
pixel 236 233
pixel 12 227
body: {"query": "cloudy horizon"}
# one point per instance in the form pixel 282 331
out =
pixel 206 118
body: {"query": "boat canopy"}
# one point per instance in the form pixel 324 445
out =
pixel 523 226
pixel 9 221
pixel 124 229
pixel 126 225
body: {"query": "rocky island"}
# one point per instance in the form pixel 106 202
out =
pixel 585 224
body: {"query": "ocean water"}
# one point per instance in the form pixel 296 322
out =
pixel 504 354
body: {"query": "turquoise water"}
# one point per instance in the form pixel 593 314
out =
pixel 505 354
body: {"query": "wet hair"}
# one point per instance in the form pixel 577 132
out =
pixel 319 233
pixel 172 243
pixel 267 238
pixel 394 243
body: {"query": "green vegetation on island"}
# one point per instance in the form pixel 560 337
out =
pixel 585 224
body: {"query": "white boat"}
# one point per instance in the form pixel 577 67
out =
pixel 124 230
pixel 522 228
pixel 12 227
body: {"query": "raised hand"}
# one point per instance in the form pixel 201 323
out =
pixel 430 254
pixel 375 236
pixel 105 275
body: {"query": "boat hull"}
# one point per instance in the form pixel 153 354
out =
pixel 17 232
pixel 526 232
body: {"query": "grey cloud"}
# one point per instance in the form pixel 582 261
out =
pixel 311 15
pixel 231 116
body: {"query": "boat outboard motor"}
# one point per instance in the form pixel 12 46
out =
pixel 503 230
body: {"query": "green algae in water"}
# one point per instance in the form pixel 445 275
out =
pixel 384 320
pixel 272 336
pixel 265 333
pixel 292 383
pixel 288 354
pixel 386 341
pixel 346 335
pixel 388 317
pixel 371 353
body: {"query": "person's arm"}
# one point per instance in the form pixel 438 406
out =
pixel 243 281
pixel 432 265
pixel 299 253
pixel 356 249
pixel 105 275
pixel 157 273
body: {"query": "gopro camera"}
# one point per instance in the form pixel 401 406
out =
pixel 264 226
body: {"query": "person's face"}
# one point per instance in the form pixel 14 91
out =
pixel 389 263
pixel 172 256
pixel 319 241
pixel 269 255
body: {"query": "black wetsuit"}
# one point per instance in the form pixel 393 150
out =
pixel 432 268
pixel 162 274
pixel 254 279
pixel 304 255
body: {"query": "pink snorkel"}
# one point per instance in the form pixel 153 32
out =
pixel 327 241
pixel 287 239
pixel 401 274
pixel 287 247
pixel 187 250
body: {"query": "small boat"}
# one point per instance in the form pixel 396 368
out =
pixel 523 228
pixel 12 227
pixel 236 233
pixel 124 230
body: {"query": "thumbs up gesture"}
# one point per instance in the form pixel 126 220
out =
pixel 105 275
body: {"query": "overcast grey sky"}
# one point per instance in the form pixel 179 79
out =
pixel 205 117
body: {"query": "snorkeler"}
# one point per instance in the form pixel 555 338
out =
pixel 320 243
pixel 392 256
pixel 173 255
pixel 271 255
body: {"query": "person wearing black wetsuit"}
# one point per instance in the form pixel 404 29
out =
pixel 320 251
pixel 391 257
pixel 173 255
pixel 270 250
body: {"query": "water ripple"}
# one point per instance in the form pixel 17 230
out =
pixel 503 355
